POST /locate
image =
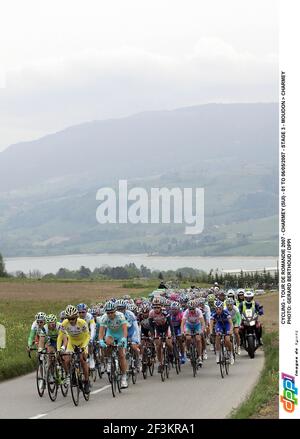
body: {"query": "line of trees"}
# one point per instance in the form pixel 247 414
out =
pixel 263 279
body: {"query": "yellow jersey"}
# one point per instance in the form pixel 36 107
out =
pixel 77 334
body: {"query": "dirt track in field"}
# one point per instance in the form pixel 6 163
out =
pixel 88 291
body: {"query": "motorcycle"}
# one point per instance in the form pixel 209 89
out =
pixel 249 322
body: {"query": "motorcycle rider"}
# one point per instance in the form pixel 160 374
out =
pixel 240 296
pixel 249 303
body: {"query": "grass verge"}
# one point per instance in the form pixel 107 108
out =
pixel 266 389
pixel 17 314
pixel 17 317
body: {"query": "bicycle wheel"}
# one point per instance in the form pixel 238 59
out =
pixel 118 377
pixel 234 346
pixel 145 364
pixel 52 381
pixel 99 370
pixel 93 375
pixel 133 375
pixel 85 395
pixel 74 384
pixel 98 364
pixel 64 387
pixel 193 358
pixel 151 367
pixel 227 362
pixel 163 369
pixel 222 361
pixel 113 379
pixel 176 358
pixel 167 367
pixel 40 379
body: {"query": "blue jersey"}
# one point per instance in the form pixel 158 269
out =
pixel 222 318
pixel 130 317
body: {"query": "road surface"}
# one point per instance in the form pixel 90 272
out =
pixel 205 396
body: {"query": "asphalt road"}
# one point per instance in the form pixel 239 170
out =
pixel 205 396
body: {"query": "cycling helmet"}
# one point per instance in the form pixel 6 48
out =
pixel 211 298
pixel 248 296
pixel 191 304
pixel 157 301
pixel 121 303
pixel 94 311
pixel 71 311
pixel 230 301
pixel 175 305
pixel 81 307
pixel 219 304
pixel 131 306
pixel 201 301
pixel 51 318
pixel 41 316
pixel 110 306
pixel 185 298
pixel 126 297
pixel 145 308
pixel 62 315
pixel 240 291
pixel 230 293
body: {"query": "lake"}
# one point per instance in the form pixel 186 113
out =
pixel 51 264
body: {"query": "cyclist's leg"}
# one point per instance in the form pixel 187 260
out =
pixel 84 364
pixel 187 340
pixel 218 332
pixel 67 358
pixel 198 345
pixel 123 362
pixel 134 337
pixel 228 343
pixel 237 337
pixel 121 351
pixel 169 343
pixel 91 355
pixel 158 347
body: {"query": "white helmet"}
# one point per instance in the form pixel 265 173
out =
pixel 71 311
pixel 41 316
pixel 248 296
pixel 230 293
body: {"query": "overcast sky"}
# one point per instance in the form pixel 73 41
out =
pixel 64 62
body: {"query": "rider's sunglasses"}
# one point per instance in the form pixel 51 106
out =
pixel 40 321
pixel 82 312
pixel 110 312
pixel 72 319
pixel 156 307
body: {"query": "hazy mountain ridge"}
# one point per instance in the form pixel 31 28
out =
pixel 48 187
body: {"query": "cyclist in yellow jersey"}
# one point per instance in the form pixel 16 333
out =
pixel 85 315
pixel 74 332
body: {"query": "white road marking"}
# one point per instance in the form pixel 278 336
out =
pixel 39 416
pixel 100 390
pixel 92 393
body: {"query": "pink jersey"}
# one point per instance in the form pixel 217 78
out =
pixel 192 316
